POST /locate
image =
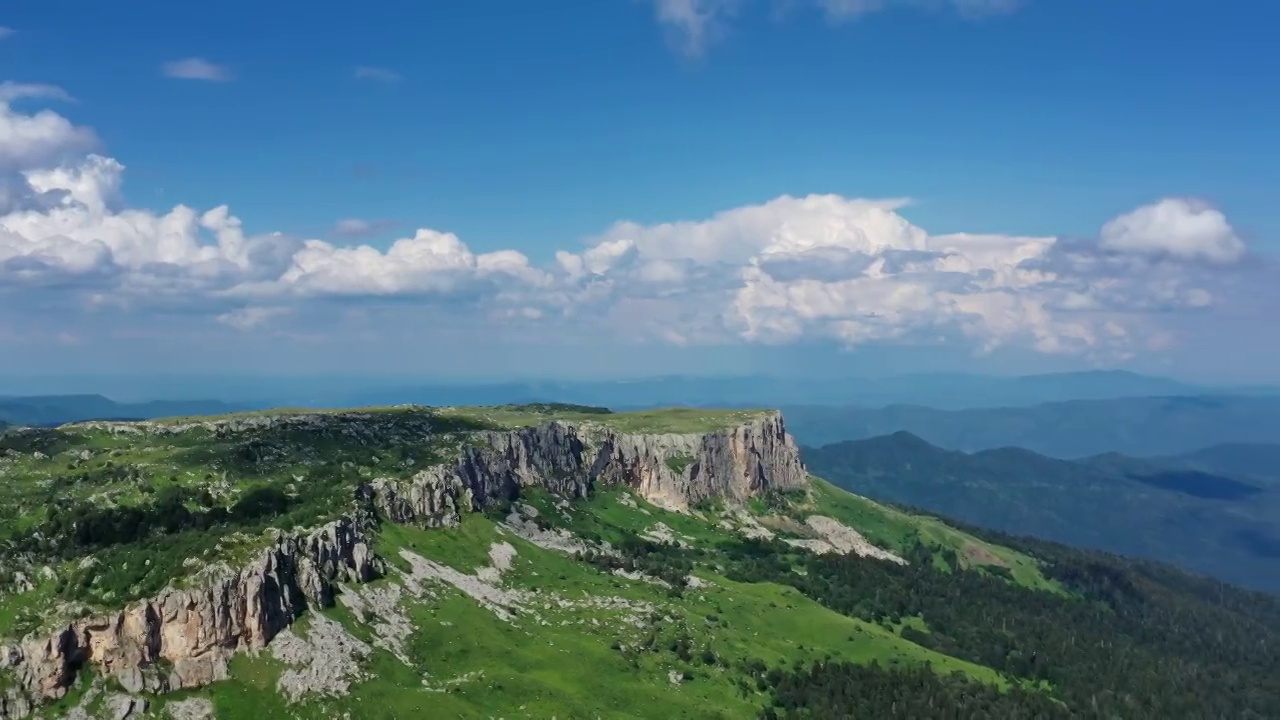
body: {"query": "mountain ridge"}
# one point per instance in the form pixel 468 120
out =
pixel 1133 506
pixel 1143 426
pixel 943 390
pixel 61 409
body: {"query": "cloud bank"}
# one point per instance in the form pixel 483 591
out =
pixel 822 267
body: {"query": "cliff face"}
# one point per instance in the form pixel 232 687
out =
pixel 674 471
pixel 182 638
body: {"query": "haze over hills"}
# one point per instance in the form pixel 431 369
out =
pixel 935 390
pixel 1145 426
pixel 539 561
pixel 58 409
pixel 75 398
pixel 1178 511
pixel 1237 459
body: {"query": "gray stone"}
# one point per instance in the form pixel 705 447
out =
pixel 732 464
pixel 194 630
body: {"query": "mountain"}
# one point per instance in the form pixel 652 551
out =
pixel 1218 525
pixel 952 390
pixel 1241 459
pixel 59 409
pixel 938 390
pixel 562 561
pixel 1144 427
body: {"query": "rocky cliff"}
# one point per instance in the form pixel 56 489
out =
pixel 675 471
pixel 183 637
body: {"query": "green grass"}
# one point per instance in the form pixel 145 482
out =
pixel 583 661
pixel 591 657
pixel 679 463
pixel 896 530
pixel 664 420
pixel 465 547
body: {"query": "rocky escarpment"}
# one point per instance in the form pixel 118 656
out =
pixel 676 471
pixel 182 638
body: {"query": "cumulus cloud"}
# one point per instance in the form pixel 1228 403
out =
pixel 1179 227
pixel 195 68
pixel 849 270
pixel 376 74
pixel 40 139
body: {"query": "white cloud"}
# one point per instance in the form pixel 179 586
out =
pixel 377 74
pixel 195 68
pixel 429 263
pixel 6 32
pixel 36 139
pixel 1179 227
pixel 11 91
pixel 853 271
pixel 837 10
pixel 694 24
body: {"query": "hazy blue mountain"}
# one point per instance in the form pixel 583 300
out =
pixel 1145 427
pixel 1260 461
pixel 58 409
pixel 1222 526
pixel 945 391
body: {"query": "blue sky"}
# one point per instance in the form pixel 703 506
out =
pixel 536 127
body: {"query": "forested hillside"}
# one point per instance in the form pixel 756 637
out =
pixel 1139 427
pixel 1210 523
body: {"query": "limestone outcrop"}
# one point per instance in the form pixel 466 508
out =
pixel 182 638
pixel 675 471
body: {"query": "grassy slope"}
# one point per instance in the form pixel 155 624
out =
pixel 662 420
pixel 658 420
pixel 896 530
pixel 570 668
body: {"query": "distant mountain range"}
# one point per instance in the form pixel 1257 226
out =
pixel 58 409
pixel 943 391
pixel 1184 510
pixel 818 412
pixel 1148 426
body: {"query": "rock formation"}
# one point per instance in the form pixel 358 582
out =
pixel 183 637
pixel 675 471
